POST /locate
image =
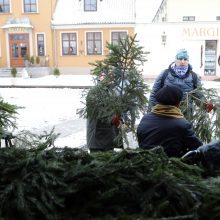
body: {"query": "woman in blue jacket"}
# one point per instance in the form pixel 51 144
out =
pixel 179 73
pixel 166 126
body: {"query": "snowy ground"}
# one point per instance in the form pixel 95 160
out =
pixel 48 108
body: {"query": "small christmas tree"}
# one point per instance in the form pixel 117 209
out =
pixel 123 91
pixel 202 108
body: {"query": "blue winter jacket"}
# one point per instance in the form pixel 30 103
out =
pixel 185 83
pixel 173 134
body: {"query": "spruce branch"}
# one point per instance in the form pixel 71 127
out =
pixel 205 121
pixel 123 87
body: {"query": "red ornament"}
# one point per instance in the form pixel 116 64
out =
pixel 116 120
pixel 209 107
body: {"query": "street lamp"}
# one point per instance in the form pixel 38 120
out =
pixel 164 38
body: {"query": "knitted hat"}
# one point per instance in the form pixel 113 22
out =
pixel 182 54
pixel 169 95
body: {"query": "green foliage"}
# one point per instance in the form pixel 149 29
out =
pixel 29 180
pixel 206 124
pixel 123 87
pixel 8 114
pixel 26 57
pixel 125 56
pixel 41 182
pixel 27 139
pixel 56 72
pixel 32 60
pixel 14 72
pixel 37 60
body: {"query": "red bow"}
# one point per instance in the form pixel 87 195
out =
pixel 209 107
pixel 116 120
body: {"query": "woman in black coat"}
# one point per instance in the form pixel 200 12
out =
pixel 166 126
pixel 102 129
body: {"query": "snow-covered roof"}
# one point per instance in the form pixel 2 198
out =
pixel 71 12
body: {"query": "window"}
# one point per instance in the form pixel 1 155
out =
pixel 210 57
pixel 116 36
pixel 163 19
pixel 90 5
pixel 189 18
pixel 40 45
pixel 94 43
pixel 4 6
pixel 69 46
pixel 30 5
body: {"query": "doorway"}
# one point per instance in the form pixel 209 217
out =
pixel 210 57
pixel 19 47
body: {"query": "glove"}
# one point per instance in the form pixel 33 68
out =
pixel 209 107
pixel 116 120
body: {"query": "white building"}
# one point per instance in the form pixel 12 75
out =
pixel 190 24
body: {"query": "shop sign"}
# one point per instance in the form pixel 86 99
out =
pixel 18 29
pixel 200 32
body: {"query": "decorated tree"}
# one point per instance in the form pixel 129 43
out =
pixel 202 108
pixel 121 96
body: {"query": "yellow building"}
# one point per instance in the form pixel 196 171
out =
pixel 25 29
pixel 68 34
pixel 82 27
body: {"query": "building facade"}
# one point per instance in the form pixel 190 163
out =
pixel 194 25
pixel 81 34
pixel 68 34
pixel 25 32
pixel 71 34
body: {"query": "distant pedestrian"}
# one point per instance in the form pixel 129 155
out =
pixel 102 133
pixel 179 73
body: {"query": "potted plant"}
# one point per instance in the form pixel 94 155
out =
pixel 56 72
pixel 14 72
pixel 37 60
pixel 32 60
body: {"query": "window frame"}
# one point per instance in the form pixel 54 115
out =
pixel 90 6
pixel 113 41
pixel 73 52
pixel 4 5
pixel 95 43
pixel 189 18
pixel 37 45
pixel 31 5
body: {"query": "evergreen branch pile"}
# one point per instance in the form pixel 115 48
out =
pixel 65 183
